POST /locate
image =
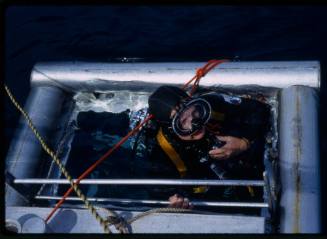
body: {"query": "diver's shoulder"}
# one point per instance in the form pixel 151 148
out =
pixel 222 97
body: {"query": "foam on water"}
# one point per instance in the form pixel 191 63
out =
pixel 111 101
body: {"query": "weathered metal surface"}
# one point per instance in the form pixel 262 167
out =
pixel 83 76
pixel 299 160
pixel 23 158
pixel 182 182
pixel 75 221
pixel 34 224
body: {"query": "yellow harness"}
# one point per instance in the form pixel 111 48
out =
pixel 176 159
pixel 179 163
pixel 217 116
pixel 171 152
pixel 174 156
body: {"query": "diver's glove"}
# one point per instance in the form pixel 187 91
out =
pixel 233 147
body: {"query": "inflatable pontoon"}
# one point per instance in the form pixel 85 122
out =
pixel 60 90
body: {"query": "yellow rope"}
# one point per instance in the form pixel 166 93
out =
pixel 102 222
pixel 158 210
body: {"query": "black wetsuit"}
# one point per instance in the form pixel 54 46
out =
pixel 242 118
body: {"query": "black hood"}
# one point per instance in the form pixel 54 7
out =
pixel 163 100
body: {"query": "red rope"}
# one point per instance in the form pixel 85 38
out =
pixel 90 169
pixel 201 72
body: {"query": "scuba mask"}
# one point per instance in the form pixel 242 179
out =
pixel 191 118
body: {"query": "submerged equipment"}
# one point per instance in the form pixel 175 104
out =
pixel 199 110
pixel 176 159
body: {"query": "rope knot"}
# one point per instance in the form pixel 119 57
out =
pixel 119 223
pixel 200 73
pixel 113 219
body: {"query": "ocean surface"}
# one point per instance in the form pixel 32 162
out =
pixel 159 33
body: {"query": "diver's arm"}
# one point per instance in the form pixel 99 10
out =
pixel 243 118
pixel 246 123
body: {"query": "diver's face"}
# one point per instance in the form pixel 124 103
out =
pixel 186 119
pixel 196 136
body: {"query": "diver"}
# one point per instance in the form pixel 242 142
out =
pixel 207 136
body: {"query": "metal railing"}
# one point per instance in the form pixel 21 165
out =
pixel 157 182
pixel 176 182
pixel 195 203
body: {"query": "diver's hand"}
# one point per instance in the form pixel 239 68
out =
pixel 233 147
pixel 178 201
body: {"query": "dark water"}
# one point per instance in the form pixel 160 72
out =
pixel 91 141
pixel 157 33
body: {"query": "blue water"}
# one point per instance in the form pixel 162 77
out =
pixel 157 33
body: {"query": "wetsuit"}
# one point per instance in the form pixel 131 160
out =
pixel 232 116
pixel 236 117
